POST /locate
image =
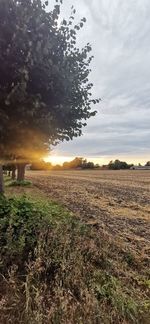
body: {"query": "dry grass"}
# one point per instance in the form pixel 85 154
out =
pixel 100 265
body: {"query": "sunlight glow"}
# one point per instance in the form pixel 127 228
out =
pixel 56 159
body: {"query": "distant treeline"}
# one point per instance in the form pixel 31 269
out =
pixel 77 163
pixel 81 163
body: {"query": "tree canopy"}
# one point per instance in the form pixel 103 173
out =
pixel 45 93
pixel 118 165
pixel 147 163
pixel 76 163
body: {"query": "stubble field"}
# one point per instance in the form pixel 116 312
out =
pixel 117 201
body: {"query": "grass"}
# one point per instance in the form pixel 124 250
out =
pixel 22 183
pixel 55 269
pixel 109 289
pixel 15 183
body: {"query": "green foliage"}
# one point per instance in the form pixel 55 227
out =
pixel 88 165
pixel 18 229
pixel 118 165
pixel 45 93
pixel 79 162
pixel 20 223
pixel 76 163
pixel 22 183
pixel 109 289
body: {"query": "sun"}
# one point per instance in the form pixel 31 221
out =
pixel 56 159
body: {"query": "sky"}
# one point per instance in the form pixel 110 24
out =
pixel 119 32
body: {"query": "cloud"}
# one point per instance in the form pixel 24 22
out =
pixel 119 32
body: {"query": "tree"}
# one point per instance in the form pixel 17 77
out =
pixel 45 94
pixel 76 163
pixel 41 165
pixel 118 165
pixel 11 168
pixel 147 163
pixel 88 165
pixel 1 182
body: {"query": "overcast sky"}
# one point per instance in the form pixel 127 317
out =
pixel 119 32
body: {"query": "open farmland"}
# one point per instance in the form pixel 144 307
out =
pixel 95 262
pixel 117 201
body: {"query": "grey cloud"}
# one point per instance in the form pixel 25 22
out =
pixel 119 32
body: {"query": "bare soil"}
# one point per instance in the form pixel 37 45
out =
pixel 116 201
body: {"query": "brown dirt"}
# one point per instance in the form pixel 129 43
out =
pixel 117 201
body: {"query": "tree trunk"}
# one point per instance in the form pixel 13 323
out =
pixel 13 175
pixel 1 180
pixel 21 171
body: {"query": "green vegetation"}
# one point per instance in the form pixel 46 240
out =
pixel 82 163
pixel 54 269
pixel 108 288
pixel 76 163
pixel 45 88
pixel 118 165
pixel 20 183
pixel 14 183
pixel 21 223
